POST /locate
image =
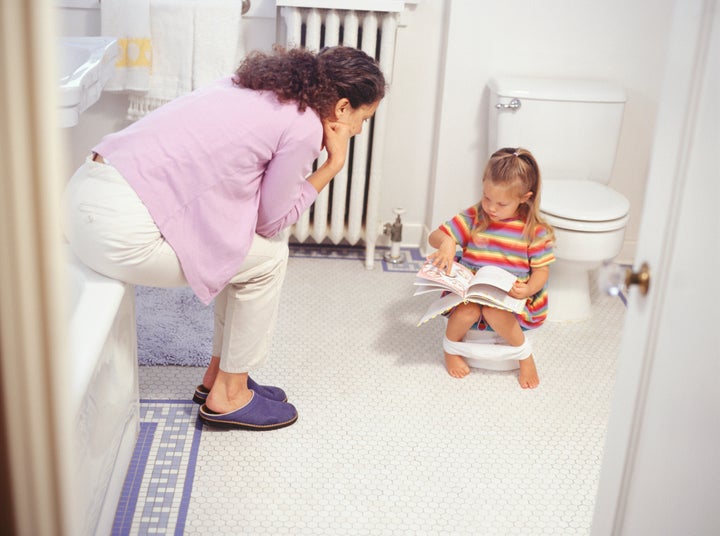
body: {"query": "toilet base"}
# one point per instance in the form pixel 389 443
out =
pixel 569 292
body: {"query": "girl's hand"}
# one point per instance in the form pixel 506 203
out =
pixel 520 290
pixel 536 282
pixel 336 138
pixel 443 259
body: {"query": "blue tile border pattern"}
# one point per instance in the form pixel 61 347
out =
pixel 131 488
pixel 162 469
pixel 411 261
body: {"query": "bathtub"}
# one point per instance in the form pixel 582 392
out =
pixel 103 397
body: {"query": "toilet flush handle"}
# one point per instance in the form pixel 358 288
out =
pixel 514 104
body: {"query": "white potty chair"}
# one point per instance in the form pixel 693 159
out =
pixel 487 350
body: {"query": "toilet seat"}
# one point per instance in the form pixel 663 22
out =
pixel 583 205
pixel 585 226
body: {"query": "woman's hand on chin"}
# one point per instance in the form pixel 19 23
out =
pixel 336 139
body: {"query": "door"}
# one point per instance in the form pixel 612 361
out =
pixel 661 464
pixel 36 439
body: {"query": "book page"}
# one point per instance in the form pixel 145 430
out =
pixel 439 306
pixel 489 296
pixel 424 289
pixel 456 282
pixel 494 296
pixel 495 276
pixel 488 286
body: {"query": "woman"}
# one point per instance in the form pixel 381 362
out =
pixel 199 192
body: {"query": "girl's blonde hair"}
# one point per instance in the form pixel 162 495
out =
pixel 517 168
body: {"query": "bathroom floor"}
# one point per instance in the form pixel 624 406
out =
pixel 386 442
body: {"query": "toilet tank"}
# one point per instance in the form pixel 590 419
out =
pixel 571 126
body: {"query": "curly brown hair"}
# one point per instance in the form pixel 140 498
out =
pixel 315 81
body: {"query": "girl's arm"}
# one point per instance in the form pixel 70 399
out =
pixel 537 280
pixel 446 246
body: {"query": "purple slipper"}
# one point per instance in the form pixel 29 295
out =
pixel 265 391
pixel 258 414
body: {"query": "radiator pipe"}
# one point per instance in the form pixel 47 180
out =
pixel 394 231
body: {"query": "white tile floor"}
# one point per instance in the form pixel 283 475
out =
pixel 386 442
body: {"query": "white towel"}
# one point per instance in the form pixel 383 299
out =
pixel 171 27
pixel 194 42
pixel 218 43
pixel 129 22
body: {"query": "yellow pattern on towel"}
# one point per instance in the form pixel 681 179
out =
pixel 134 52
pixel 194 42
pixel 129 22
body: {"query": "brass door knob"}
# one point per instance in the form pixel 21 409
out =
pixel 641 278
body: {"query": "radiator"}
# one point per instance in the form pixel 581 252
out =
pixel 347 210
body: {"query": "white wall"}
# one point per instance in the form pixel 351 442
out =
pixel 412 118
pixel 446 51
pixel 614 40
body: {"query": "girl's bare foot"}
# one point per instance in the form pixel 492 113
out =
pixel 456 366
pixel 528 376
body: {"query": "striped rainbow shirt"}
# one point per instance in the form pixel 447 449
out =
pixel 502 244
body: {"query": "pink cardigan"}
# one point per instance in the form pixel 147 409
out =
pixel 213 168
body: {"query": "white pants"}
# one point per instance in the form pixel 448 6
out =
pixel 111 231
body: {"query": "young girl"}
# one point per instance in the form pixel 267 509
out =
pixel 504 229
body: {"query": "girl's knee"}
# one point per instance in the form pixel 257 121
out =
pixel 493 313
pixel 500 320
pixel 468 312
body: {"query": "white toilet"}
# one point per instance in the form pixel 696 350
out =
pixel 572 127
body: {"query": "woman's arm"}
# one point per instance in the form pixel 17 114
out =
pixel 287 190
pixel 336 138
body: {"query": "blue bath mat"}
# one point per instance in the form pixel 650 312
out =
pixel 173 327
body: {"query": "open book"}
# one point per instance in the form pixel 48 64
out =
pixel 488 286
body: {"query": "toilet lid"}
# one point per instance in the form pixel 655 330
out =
pixel 587 203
